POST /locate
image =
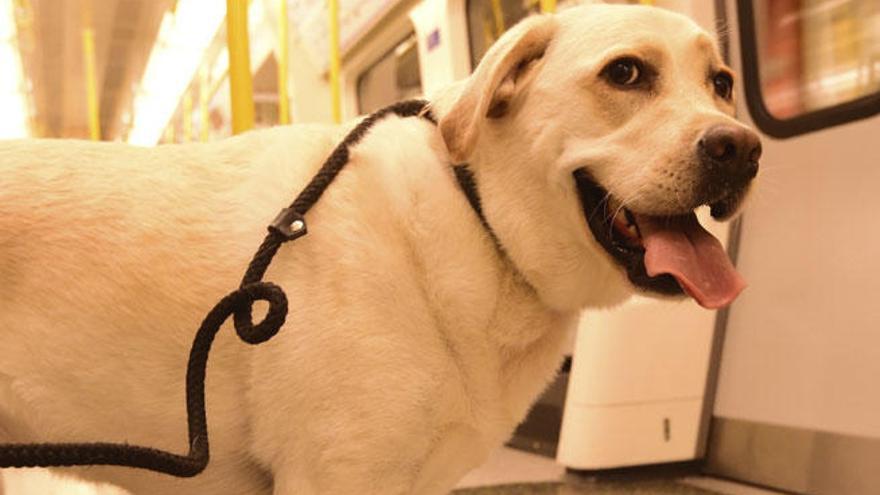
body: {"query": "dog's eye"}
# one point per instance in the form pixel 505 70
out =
pixel 624 71
pixel 723 83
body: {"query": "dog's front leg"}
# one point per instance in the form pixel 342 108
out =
pixel 290 482
pixel 456 451
pixel 344 479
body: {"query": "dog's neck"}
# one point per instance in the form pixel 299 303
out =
pixel 468 185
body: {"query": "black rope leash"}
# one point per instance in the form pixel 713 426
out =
pixel 287 226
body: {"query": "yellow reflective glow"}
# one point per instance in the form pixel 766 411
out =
pixel 183 38
pixel 335 91
pixel 240 78
pixel 13 101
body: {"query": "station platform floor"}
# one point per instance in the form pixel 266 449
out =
pixel 507 472
pixel 513 472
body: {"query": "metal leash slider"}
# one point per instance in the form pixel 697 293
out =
pixel 289 224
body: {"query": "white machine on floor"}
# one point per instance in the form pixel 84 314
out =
pixel 636 388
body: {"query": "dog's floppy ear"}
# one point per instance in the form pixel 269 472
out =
pixel 493 84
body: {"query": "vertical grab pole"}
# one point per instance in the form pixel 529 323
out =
pixel 88 44
pixel 498 16
pixel 333 13
pixel 548 6
pixel 203 103
pixel 241 86
pixel 283 98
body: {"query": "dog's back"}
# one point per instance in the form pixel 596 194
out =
pixel 110 256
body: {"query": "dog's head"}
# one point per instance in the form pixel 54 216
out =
pixel 594 134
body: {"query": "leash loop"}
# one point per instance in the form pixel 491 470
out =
pixel 243 316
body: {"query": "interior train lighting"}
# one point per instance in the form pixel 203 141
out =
pixel 13 100
pixel 184 36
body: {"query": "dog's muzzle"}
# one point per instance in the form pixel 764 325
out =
pixel 672 253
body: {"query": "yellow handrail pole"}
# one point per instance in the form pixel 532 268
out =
pixel 241 86
pixel 88 40
pixel 24 23
pixel 187 116
pixel 498 15
pixel 203 104
pixel 548 6
pixel 335 96
pixel 283 98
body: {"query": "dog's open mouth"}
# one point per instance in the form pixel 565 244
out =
pixel 669 254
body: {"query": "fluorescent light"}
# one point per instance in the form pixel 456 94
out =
pixel 14 121
pixel 183 39
pixel 7 21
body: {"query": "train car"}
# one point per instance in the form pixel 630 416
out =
pixel 776 392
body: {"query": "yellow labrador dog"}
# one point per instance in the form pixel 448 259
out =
pixel 418 336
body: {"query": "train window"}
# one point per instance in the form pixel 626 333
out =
pixel 394 77
pixel 488 19
pixel 810 64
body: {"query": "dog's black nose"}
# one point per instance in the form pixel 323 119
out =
pixel 731 152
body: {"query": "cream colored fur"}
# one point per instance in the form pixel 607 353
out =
pixel 413 346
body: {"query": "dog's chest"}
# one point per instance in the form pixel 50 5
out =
pixel 496 379
pixel 486 398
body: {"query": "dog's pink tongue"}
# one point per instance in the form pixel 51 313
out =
pixel 681 247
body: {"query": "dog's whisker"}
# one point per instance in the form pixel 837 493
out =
pixel 628 200
pixel 603 205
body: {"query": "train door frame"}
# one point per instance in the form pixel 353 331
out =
pixel 785 446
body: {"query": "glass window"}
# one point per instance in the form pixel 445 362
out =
pixel 394 77
pixel 816 54
pixel 488 19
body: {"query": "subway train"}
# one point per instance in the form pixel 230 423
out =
pixel 778 392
